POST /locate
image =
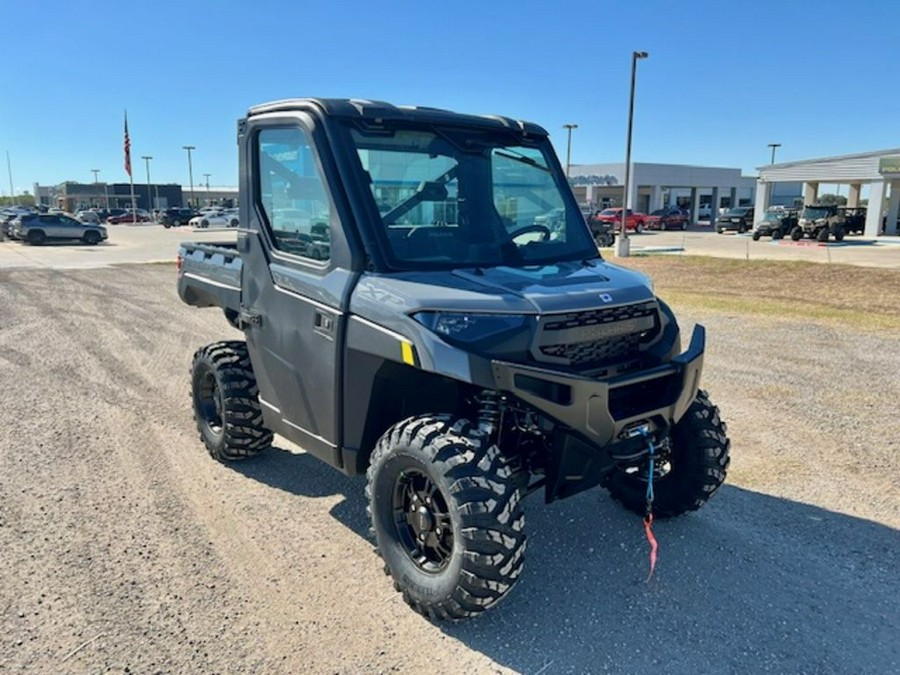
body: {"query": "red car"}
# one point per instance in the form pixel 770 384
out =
pixel 129 217
pixel 671 218
pixel 634 220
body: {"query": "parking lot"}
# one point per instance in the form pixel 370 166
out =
pixel 152 243
pixel 127 549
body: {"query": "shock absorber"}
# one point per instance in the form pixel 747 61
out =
pixel 489 411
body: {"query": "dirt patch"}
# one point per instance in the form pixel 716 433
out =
pixel 126 548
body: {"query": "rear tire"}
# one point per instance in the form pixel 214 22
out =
pixel 698 463
pixel 226 402
pixel 777 234
pixel 822 235
pixel 796 234
pixel 839 235
pixel 756 236
pixel 445 511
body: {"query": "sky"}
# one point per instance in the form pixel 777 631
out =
pixel 722 81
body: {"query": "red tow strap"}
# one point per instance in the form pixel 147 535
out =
pixel 648 523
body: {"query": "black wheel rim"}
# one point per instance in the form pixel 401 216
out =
pixel 422 521
pixel 209 402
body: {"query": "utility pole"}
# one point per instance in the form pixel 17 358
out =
pixel 569 127
pixel 147 159
pixel 207 175
pixel 190 172
pixel 623 246
pixel 12 192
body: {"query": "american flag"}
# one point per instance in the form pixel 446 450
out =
pixel 127 147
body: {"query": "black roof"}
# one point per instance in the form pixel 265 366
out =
pixel 379 110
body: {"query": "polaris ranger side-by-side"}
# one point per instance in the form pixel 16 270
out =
pixel 422 301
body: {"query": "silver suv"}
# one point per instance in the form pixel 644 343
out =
pixel 40 227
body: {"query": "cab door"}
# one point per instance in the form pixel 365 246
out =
pixel 293 291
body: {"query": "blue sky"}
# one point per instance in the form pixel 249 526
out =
pixel 723 78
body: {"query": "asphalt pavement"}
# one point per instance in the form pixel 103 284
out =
pixel 153 243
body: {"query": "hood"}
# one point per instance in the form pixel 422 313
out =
pixel 561 287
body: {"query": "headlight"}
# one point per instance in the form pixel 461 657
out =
pixel 470 327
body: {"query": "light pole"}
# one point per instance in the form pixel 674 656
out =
pixel 569 127
pixel 96 181
pixel 774 146
pixel 190 171
pixel 206 176
pixel 623 246
pixel 105 188
pixel 147 159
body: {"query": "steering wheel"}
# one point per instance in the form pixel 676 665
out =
pixel 541 229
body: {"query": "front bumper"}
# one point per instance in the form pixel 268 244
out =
pixel 604 411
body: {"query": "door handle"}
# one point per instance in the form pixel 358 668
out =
pixel 324 323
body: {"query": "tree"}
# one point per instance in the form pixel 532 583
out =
pixel 829 198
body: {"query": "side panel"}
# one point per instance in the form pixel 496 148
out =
pixel 298 301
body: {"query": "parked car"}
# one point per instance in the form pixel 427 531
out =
pixel 739 218
pixel 854 218
pixel 38 228
pixel 776 222
pixel 227 218
pixel 88 217
pixel 129 216
pixel 819 221
pixel 704 212
pixel 6 223
pixel 670 218
pixel 633 219
pixel 175 216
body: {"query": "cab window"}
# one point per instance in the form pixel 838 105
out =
pixel 292 193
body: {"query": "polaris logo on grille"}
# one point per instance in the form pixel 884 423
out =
pixel 606 297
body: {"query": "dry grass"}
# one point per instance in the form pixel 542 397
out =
pixel 860 297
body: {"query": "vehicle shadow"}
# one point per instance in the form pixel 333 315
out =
pixel 305 476
pixel 66 243
pixel 750 583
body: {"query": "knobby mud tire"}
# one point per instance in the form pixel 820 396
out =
pixel 700 458
pixel 482 496
pixel 234 429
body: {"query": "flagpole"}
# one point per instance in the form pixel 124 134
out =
pixel 134 216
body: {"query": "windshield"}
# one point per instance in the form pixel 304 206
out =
pixel 739 211
pixel 453 197
pixel 814 213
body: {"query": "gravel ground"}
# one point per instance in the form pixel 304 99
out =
pixel 125 548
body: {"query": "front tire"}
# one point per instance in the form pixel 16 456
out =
pixel 822 235
pixel 756 236
pixel 446 515
pixel 91 238
pixel 36 237
pixel 697 464
pixel 226 402
pixel 796 234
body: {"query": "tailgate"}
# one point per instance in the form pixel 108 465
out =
pixel 209 275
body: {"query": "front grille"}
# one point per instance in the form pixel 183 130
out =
pixel 597 337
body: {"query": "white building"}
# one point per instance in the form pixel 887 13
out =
pixel 878 170
pixel 654 186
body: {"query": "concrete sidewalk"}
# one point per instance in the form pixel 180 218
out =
pixel 881 252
